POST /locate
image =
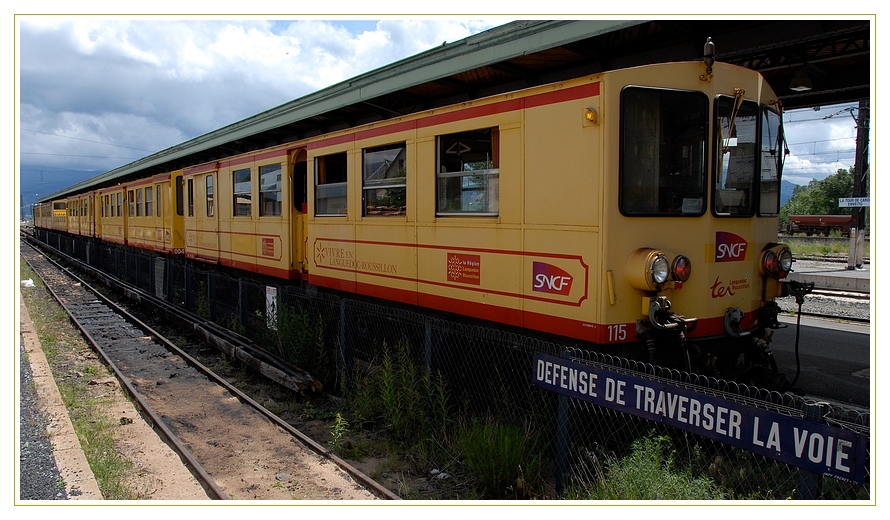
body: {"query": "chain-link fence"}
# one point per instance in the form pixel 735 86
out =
pixel 496 373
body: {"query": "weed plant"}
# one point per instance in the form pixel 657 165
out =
pixel 202 301
pixel 505 460
pixel 649 472
pixel 406 401
pixel 299 339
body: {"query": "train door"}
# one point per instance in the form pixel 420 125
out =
pixel 171 210
pixel 91 213
pixel 203 196
pixel 101 212
pixel 299 225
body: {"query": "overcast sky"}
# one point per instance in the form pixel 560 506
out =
pixel 98 93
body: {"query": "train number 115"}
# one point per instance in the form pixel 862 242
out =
pixel 617 332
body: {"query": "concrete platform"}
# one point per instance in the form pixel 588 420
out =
pixel 830 275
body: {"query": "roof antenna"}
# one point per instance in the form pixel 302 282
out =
pixel 709 59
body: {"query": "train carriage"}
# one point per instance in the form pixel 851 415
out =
pixel 82 218
pixel 113 218
pixel 152 220
pixel 241 213
pixel 59 216
pixel 636 208
pixel 43 215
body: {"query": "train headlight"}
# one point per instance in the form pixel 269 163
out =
pixel 785 260
pixel 776 261
pixel 681 268
pixel 648 269
pixel 659 269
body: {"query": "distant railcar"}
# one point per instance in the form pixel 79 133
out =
pixel 821 224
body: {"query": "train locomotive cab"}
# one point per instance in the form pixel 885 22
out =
pixel 699 174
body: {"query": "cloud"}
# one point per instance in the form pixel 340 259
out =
pixel 143 85
pixel 819 146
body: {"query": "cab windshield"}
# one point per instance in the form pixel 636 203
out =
pixel 664 155
pixel 736 155
pixel 664 136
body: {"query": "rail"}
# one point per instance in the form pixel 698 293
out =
pixel 224 338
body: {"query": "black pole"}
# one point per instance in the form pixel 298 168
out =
pixel 860 179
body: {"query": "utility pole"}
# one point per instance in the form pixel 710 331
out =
pixel 860 179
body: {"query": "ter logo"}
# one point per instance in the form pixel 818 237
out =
pixel 730 247
pixel 550 279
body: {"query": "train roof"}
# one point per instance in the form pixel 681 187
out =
pixel 518 55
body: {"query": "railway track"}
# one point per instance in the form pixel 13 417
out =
pixel 235 447
pixel 833 305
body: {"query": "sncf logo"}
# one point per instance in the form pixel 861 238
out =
pixel 550 279
pixel 730 247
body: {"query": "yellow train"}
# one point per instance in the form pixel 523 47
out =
pixel 635 207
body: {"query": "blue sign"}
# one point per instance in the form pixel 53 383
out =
pixel 809 445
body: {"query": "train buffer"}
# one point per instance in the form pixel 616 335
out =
pixel 833 276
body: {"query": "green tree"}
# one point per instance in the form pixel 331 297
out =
pixel 819 197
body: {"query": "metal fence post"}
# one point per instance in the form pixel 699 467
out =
pixel 428 342
pixel 241 319
pixel 810 487
pixel 562 440
pixel 347 364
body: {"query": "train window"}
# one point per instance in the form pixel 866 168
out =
pixel 736 155
pixel 191 197
pixel 208 182
pixel 467 173
pixel 270 190
pixel 330 184
pixel 139 202
pixel 149 201
pixel 383 180
pixel 131 202
pixel 663 152
pixel 300 186
pixel 772 154
pixel 241 192
pixel 158 199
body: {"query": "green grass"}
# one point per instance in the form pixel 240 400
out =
pixel 838 247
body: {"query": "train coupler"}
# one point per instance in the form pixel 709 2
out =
pixel 770 316
pixel 732 320
pixel 797 289
pixel 662 319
